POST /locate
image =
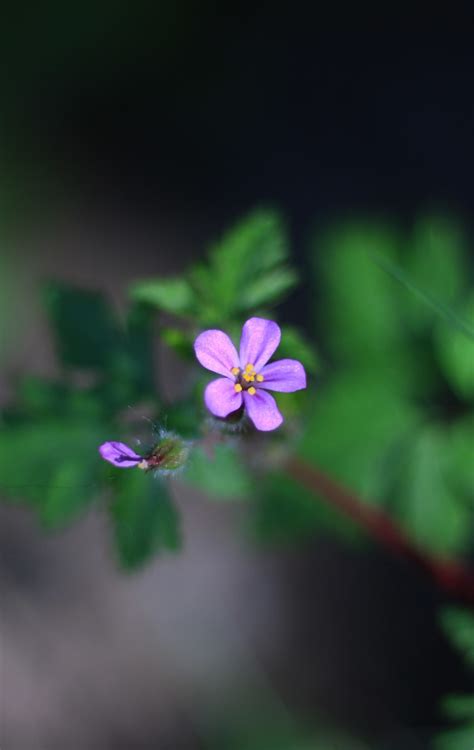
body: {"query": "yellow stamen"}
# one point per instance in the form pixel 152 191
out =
pixel 260 378
pixel 247 377
pixel 252 391
pixel 249 368
pixel 235 370
pixel 237 387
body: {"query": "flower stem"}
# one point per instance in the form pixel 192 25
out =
pixel 450 576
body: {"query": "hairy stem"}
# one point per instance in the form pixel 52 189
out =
pixel 450 576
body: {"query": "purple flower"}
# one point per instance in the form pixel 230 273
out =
pixel 246 376
pixel 119 454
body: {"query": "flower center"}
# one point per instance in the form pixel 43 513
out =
pixel 245 378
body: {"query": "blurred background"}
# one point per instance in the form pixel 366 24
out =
pixel 129 144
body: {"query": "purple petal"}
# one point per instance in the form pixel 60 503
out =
pixel 119 454
pixel 263 411
pixel 286 375
pixel 216 352
pixel 259 340
pixel 221 398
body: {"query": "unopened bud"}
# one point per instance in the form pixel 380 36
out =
pixel 169 454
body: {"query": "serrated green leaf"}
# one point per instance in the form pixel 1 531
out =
pixel 222 473
pixel 144 518
pixel 84 328
pixel 358 304
pixel 173 295
pixel 267 289
pixel 244 269
pixel 436 263
pixel 295 346
pixel 427 504
pixel 456 354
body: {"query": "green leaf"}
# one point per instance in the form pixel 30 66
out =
pixel 358 304
pixel 221 474
pixel 427 504
pixel 435 263
pixel 145 520
pixel 460 455
pixel 173 295
pixel 456 354
pixel 246 268
pixel 267 289
pixel 84 327
pixel 295 346
pixel 456 739
pixel 458 624
pixel 32 455
pixel 447 313
pixel 459 706
pixel 356 430
pixel 286 513
pixel 179 341
pixel 70 491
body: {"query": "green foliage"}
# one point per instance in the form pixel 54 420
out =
pixel 83 326
pixel 296 346
pixel 222 473
pixel 41 462
pixel 358 302
pixel 357 430
pixel 429 506
pixel 145 520
pixel 436 263
pixel 284 513
pixel 172 295
pixel 456 354
pixel 459 626
pixel 245 271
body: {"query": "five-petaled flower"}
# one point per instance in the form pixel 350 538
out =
pixel 246 376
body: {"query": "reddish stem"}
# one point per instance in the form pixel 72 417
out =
pixel 452 577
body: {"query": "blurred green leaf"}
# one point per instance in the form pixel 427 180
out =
pixel 436 263
pixel 286 513
pixel 84 327
pixel 356 431
pixel 70 491
pixel 456 739
pixel 173 295
pixel 145 520
pixel 459 706
pixel 32 455
pixel 456 354
pixel 358 304
pixel 444 311
pixel 427 504
pixel 267 289
pixel 295 346
pixel 180 341
pixel 458 625
pixel 222 474
pixel 460 455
